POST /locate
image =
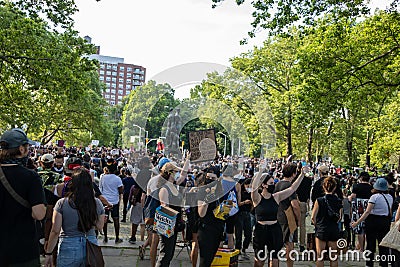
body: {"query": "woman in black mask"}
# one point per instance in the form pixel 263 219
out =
pixel 268 232
pixel 210 229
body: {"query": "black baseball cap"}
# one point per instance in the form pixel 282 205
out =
pixel 14 138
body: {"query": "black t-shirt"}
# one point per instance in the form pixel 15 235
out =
pixel 128 182
pixel 245 196
pixel 303 192
pixel 18 240
pixel 362 190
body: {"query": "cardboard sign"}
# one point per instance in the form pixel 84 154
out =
pixel 358 206
pixel 165 220
pixel 202 145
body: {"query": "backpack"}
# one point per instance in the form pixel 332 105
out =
pixel 335 216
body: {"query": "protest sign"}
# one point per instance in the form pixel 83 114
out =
pixel 202 145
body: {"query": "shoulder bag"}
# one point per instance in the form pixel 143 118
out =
pixel 12 192
pixel 94 256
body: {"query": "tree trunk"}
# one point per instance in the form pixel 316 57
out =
pixel 309 144
pixel 368 156
pixel 289 150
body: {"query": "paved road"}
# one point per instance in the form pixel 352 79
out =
pixel 126 254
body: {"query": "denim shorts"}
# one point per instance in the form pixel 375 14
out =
pixel 72 251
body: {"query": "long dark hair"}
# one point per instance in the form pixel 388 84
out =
pixel 81 197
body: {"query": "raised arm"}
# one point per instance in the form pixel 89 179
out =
pixel 184 172
pixel 255 196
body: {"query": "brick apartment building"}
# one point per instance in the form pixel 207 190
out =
pixel 120 78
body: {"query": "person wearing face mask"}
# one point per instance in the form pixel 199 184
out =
pixel 243 223
pixel 210 229
pixel 169 196
pixel 58 166
pixel 268 232
pixel 17 227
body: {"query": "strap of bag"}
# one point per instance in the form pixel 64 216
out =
pixel 387 202
pixel 12 192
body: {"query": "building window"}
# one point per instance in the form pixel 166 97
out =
pixel 121 86
pixel 137 70
pixel 127 92
pixel 128 81
pixel 113 92
pixel 112 103
pixel 101 66
pixel 121 74
pixel 121 80
pixel 113 85
pixel 141 78
pixel 114 73
pixel 114 67
pixel 107 96
pixel 108 72
pixel 128 75
pixel 121 68
pixel 101 78
pixel 102 72
pixel 128 86
pixel 109 67
pixel 129 69
pixel 120 92
pixel 114 79
pixel 108 79
pixel 120 97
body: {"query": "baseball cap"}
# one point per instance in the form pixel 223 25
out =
pixel 14 138
pixel 162 162
pixel 169 166
pixel 47 158
pixel 323 169
pixel 71 164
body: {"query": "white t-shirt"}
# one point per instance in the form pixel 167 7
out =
pixel 109 184
pixel 152 185
pixel 381 206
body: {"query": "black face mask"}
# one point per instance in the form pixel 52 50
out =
pixel 209 181
pixel 271 188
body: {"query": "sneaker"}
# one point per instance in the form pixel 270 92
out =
pixel 132 240
pixel 302 248
pixel 123 220
pixel 119 240
pixel 142 251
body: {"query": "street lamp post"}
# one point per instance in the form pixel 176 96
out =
pixel 140 133
pixel 224 142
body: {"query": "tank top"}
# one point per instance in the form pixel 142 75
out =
pixel 267 209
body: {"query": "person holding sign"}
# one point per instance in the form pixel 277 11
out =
pixel 268 232
pixel 169 196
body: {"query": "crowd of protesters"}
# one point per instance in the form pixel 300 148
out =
pixel 76 192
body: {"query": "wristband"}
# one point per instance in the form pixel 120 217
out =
pixel 48 253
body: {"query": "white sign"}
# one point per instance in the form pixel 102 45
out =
pixel 95 142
